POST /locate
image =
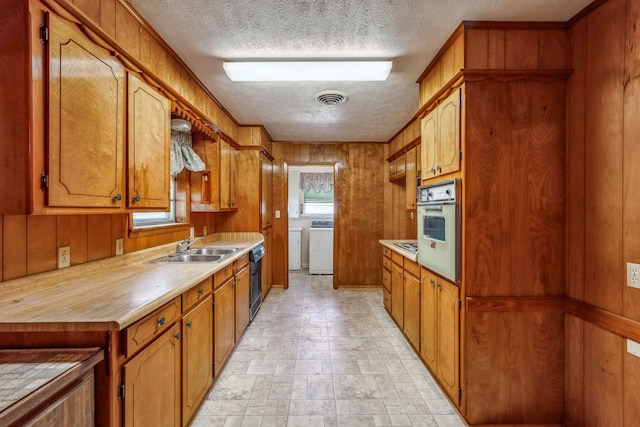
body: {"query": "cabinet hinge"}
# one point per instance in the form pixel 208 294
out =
pixel 213 306
pixel 44 181
pixel 459 304
pixel 460 392
pixel 44 34
pixel 121 392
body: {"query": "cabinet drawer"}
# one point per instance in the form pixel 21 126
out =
pixel 412 267
pixel 143 331
pixel 386 252
pixel 386 296
pixel 386 263
pixel 242 261
pixel 196 294
pixel 386 280
pixel 397 258
pixel 222 276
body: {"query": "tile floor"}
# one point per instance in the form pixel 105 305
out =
pixel 316 356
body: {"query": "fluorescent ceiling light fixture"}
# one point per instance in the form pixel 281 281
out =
pixel 299 71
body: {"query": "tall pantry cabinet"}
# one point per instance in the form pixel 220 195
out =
pixel 254 194
pixel 493 115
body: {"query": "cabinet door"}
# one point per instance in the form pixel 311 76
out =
pixel 267 262
pixel 428 145
pixel 149 138
pixel 152 383
pixel 197 357
pixel 397 294
pixel 401 163
pixel 411 174
pixel 392 170
pixel 225 174
pixel 243 285
pixel 428 319
pixel 448 337
pixel 86 117
pixel 266 190
pixel 411 299
pixel 223 324
pixel 448 139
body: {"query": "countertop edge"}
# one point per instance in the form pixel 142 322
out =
pixel 119 322
pixel 389 243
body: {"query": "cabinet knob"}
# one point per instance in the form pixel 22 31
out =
pixel 200 291
pixel 118 197
pixel 438 168
pixel 178 335
pixel 432 281
pixel 189 323
pixel 137 198
pixel 161 321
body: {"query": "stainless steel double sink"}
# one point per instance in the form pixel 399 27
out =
pixel 214 254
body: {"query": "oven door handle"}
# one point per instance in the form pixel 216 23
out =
pixel 433 208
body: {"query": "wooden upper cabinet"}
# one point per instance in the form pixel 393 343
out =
pixel 228 176
pixel 441 138
pixel 86 116
pixel 149 138
pixel 266 192
pixel 411 174
pixel 214 189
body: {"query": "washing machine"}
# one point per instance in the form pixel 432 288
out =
pixel 321 247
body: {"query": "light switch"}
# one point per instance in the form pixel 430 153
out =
pixel 277 214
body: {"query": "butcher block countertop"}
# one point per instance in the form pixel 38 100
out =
pixel 109 294
pixel 405 253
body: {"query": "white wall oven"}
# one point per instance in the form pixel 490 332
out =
pixel 439 230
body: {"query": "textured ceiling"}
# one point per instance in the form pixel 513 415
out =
pixel 410 32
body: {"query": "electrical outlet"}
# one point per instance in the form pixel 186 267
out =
pixel 633 275
pixel 64 256
pixel 119 247
pixel 633 348
pixel 192 232
pixel 277 214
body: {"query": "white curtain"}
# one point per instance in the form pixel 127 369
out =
pixel 318 181
pixel 182 155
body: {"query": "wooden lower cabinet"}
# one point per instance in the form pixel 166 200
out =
pixel 243 285
pixel 411 311
pixel 397 294
pixel 440 331
pixel 223 324
pixel 152 383
pixel 197 357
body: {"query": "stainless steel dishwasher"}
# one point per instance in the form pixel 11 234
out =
pixel 255 261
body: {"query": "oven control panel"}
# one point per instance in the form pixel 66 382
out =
pixel 441 192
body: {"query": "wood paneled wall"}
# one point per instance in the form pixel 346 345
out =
pixel 359 207
pixel 603 216
pixel 30 242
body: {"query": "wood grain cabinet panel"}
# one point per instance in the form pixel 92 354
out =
pixel 243 284
pixel 152 383
pixel 86 116
pixel 216 188
pixel 397 294
pixel 448 341
pixel 411 315
pixel 223 324
pixel 73 408
pixel 428 319
pixel 149 137
pixel 197 357
pixel 441 138
pixel 411 173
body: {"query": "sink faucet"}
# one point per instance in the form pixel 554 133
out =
pixel 185 245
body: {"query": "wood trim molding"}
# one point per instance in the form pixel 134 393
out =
pixel 518 25
pixel 90 28
pixel 514 304
pixel 611 322
pixel 197 122
pixel 471 75
pixel 414 143
pixel 257 148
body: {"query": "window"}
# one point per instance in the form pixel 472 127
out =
pixel 320 203
pixel 149 219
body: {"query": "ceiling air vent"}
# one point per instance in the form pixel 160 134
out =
pixel 330 97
